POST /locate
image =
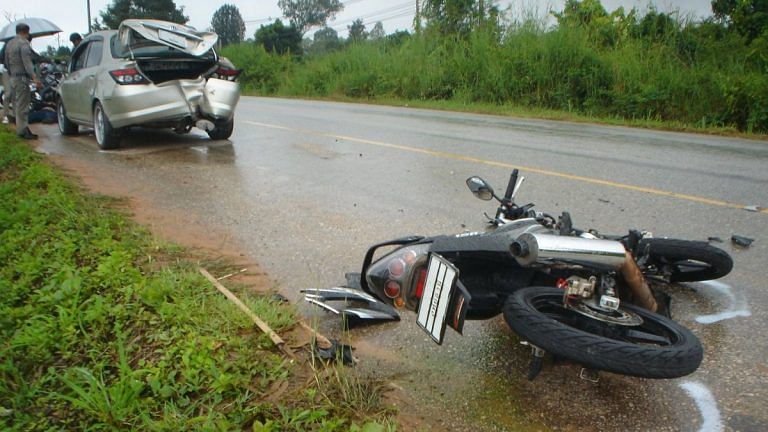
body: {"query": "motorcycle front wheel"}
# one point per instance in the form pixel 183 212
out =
pixel 657 348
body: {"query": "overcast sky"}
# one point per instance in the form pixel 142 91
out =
pixel 70 15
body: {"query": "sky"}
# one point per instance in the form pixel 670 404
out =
pixel 71 15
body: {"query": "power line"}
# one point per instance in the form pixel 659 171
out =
pixel 396 9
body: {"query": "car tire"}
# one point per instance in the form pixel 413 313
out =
pixel 66 127
pixel 107 137
pixel 222 130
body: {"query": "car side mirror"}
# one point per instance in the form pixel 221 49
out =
pixel 480 188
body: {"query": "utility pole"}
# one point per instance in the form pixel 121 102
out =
pixel 88 3
pixel 417 19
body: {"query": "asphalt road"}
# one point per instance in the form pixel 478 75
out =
pixel 305 187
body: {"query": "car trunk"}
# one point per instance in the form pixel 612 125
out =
pixel 166 51
pixel 162 70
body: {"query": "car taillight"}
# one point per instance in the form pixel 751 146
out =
pixel 226 74
pixel 128 76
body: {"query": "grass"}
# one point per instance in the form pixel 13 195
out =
pixel 105 328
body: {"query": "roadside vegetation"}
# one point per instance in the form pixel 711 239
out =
pixel 105 328
pixel 628 67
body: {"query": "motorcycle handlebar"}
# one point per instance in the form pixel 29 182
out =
pixel 511 185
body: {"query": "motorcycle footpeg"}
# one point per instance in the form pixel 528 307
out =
pixel 536 362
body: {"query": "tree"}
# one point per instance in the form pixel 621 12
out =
pixel 228 24
pixel 377 33
pixel 456 16
pixel 357 31
pixel 305 14
pixel 747 17
pixel 120 10
pixel 325 40
pixel 279 38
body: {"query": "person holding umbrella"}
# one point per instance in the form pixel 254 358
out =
pixel 18 61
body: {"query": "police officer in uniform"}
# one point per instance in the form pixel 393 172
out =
pixel 18 61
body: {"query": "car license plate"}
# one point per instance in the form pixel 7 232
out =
pixel 438 292
pixel 172 38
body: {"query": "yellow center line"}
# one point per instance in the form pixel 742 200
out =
pixel 455 156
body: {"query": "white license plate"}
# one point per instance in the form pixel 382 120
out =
pixel 172 38
pixel 438 291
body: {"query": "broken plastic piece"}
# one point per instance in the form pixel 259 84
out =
pixel 339 293
pixel 752 208
pixel 337 352
pixel 741 240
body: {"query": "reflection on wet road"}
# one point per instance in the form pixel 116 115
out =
pixel 306 206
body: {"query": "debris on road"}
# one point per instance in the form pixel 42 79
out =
pixel 741 240
pixel 337 352
pixel 714 239
pixel 752 208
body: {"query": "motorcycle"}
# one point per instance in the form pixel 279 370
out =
pixel 45 96
pixel 576 294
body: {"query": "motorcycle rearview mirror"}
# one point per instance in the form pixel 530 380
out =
pixel 480 188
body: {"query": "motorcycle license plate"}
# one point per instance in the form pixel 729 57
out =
pixel 438 292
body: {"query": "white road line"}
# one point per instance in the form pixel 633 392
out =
pixel 737 307
pixel 707 405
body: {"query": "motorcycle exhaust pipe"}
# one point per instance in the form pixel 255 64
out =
pixel 641 292
pixel 531 249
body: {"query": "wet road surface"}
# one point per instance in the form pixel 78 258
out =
pixel 305 187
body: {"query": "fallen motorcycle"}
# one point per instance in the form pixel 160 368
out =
pixel 576 294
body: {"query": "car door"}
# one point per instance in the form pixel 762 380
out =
pixel 89 73
pixel 70 85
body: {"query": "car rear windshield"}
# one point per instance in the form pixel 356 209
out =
pixel 145 48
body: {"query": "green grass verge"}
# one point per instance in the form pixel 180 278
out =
pixel 104 328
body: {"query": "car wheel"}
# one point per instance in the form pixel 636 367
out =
pixel 222 130
pixel 106 136
pixel 66 127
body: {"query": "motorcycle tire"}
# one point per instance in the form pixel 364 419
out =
pixel 537 314
pixel 690 261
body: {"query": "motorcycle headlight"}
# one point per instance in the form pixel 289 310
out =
pixel 398 277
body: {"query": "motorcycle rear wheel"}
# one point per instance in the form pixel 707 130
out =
pixel 658 348
pixel 688 261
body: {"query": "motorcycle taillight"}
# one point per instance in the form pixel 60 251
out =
pixel 394 278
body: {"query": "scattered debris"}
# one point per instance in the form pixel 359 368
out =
pixel 279 298
pixel 374 310
pixel 603 200
pixel 276 339
pixel 231 274
pixel 752 208
pixel 714 239
pixel 741 240
pixel 337 352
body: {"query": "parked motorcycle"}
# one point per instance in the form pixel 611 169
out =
pixel 577 294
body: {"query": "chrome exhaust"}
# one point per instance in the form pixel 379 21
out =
pixel 531 249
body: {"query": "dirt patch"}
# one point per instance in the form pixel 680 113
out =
pixel 208 243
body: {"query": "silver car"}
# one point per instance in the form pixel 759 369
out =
pixel 148 73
